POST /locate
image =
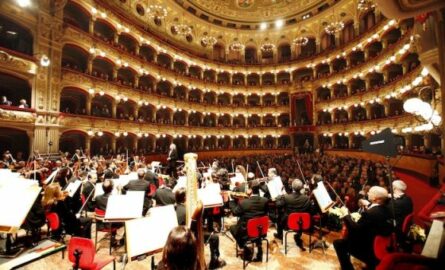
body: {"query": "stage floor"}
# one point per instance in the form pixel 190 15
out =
pixel 295 259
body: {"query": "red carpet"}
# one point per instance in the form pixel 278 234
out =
pixel 419 191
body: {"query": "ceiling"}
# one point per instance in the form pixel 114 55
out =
pixel 249 11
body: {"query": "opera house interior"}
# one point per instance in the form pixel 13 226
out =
pixel 222 134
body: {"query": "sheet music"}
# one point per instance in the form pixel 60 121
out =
pixel 122 207
pixel 73 187
pixel 51 176
pixel 150 233
pixel 275 187
pixel 16 199
pixel 322 197
pixel 155 165
pixel 210 195
pixel 181 183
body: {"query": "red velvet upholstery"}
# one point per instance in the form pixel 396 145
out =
pixel 53 221
pixel 407 223
pixel 431 207
pixel 152 190
pixel 255 226
pixel 404 261
pixel 88 259
pixel 382 246
pixel 293 221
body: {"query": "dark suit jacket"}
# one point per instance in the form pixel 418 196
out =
pixel 294 202
pixel 173 155
pixel 375 221
pixel 102 201
pixel 88 187
pixel 180 214
pixel 164 196
pixel 140 185
pixel 403 206
pixel 152 178
pixel 255 206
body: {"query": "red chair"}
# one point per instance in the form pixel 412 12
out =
pixel 99 216
pixel 152 190
pixel 407 222
pixel 404 261
pixel 87 255
pixel 256 231
pixel 384 245
pixel 298 223
pixel 53 222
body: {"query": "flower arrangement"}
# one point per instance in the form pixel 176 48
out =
pixel 416 233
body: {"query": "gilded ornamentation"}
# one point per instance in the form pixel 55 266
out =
pixel 16 116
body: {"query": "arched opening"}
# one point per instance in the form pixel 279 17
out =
pixel 238 100
pixel 327 42
pixel 223 78
pixel 377 111
pixel 73 100
pixel 358 113
pixel 307 50
pixel 224 120
pixel 209 75
pixel 254 142
pixel 164 60
pixel 179 92
pixel 357 140
pixel 147 52
pixel 101 145
pixel 284 53
pixel 356 58
pixel 195 95
pixel 325 141
pixel 103 68
pixel 269 100
pixel 322 70
pixel 126 76
pixel 163 143
pixel 340 90
pixel 268 78
pixel 283 99
pixel 194 143
pixel 341 116
pixel 223 99
pixel 250 55
pixel 324 118
pixel 395 107
pixel 367 21
pixel 376 80
pixel 209 142
pixel 180 67
pixel 15 37
pixel 253 100
pixel 209 120
pixel 323 93
pixel 392 36
pixel 223 142
pixel 125 110
pixel 219 52
pixel 127 43
pixel 164 88
pixel 104 30
pixel 179 117
pixel 411 61
pixel 394 72
pixel 339 64
pixel 71 140
pixel 163 115
pixel 146 113
pixel 284 141
pixel 283 120
pixel 195 119
pixel 269 142
pixel 347 34
pixel 15 141
pixel 357 86
pixel 303 74
pixel 253 79
pixel 101 106
pixel 16 91
pixel 145 144
pixel 254 121
pixel 124 143
pixel 341 141
pixel 267 56
pixel 239 142
pixel 374 49
pixel 239 121
pixel 269 120
pixel 146 83
pixel 195 72
pixel 210 98
pixel 74 58
pixel 238 79
pixel 283 77
pixel 76 16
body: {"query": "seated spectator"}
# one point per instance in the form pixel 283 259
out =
pixel 5 101
pixel 23 104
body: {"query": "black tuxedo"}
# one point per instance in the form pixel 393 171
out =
pixel 102 201
pixel 255 206
pixel 87 189
pixel 140 185
pixel 171 159
pixel 180 214
pixel 164 196
pixel 403 206
pixel 360 241
pixel 291 203
pixel 152 178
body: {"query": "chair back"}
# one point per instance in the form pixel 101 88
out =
pixel 53 221
pixel 152 190
pixel 99 214
pixel 384 245
pixel 257 227
pixel 299 221
pixel 407 222
pixel 87 252
pixel 82 198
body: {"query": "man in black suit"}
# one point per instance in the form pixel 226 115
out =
pixel 403 205
pixel 164 194
pixel 292 203
pixel 102 200
pixel 88 186
pixel 255 206
pixel 376 220
pixel 140 185
pixel 171 159
pixel 151 177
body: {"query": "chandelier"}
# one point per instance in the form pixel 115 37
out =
pixel 267 47
pixel 364 5
pixel 236 46
pixel 301 41
pixel 208 40
pixel 182 29
pixel 334 27
pixel 157 12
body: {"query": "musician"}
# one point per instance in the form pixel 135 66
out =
pixel 164 194
pixel 171 159
pixel 403 206
pixel 88 186
pixel 296 202
pixel 151 177
pixel 273 180
pixel 140 185
pixel 360 240
pixel 255 206
pixel 180 251
pixel 213 239
pixel 77 156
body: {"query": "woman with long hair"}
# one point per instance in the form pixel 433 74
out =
pixel 180 251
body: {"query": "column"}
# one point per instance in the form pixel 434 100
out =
pixel 87 144
pixel 408 141
pixel 91 27
pixel 113 108
pixel 90 64
pixel 116 37
pixel 387 107
pixel 89 100
pixel 349 89
pixel 136 49
pixel 427 141
pixel 114 73
pixel 136 81
pixel 368 108
pixel 113 143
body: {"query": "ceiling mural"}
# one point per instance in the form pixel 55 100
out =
pixel 251 10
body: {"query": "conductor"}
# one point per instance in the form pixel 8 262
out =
pixel 171 159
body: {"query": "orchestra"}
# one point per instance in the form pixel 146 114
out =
pixel 245 193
